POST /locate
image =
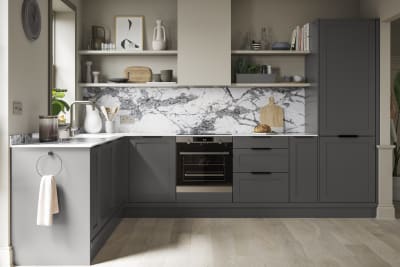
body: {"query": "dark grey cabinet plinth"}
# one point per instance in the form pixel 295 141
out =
pixel 347 169
pixel 152 169
pixel 347 77
pixel 303 169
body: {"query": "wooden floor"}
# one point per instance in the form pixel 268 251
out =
pixel 252 242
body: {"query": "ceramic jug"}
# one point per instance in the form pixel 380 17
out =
pixel 159 37
pixel 92 123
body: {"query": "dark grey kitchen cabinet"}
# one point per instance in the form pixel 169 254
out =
pixel 105 184
pixel 347 169
pixel 347 58
pixel 303 170
pixel 152 163
pixel 260 160
pixel 260 187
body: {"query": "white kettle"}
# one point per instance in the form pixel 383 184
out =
pixel 93 123
pixel 159 37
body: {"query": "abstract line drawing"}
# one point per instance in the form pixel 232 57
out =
pixel 129 32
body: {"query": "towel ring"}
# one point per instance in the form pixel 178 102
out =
pixel 49 154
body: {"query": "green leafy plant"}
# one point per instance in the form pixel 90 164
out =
pixel 242 66
pixel 396 125
pixel 57 102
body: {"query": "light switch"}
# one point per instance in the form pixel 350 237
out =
pixel 17 107
pixel 127 119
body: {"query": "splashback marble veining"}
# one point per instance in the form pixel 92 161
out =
pixel 199 110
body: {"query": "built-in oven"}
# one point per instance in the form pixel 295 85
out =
pixel 204 163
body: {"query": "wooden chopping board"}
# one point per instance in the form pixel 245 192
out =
pixel 138 74
pixel 271 114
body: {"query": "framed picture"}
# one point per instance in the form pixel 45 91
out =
pixel 129 32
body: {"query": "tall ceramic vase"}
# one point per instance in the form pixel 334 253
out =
pixel 159 36
pixel 92 123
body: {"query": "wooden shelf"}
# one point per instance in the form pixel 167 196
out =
pixel 127 85
pixel 270 52
pixel 272 85
pixel 128 53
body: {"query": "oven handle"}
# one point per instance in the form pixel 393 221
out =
pixel 204 175
pixel 204 153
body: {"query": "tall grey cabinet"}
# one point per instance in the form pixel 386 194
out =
pixel 347 106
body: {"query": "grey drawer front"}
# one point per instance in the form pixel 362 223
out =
pixel 261 142
pixel 259 188
pixel 257 160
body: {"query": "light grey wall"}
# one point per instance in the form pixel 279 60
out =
pixel 5 252
pixel 103 12
pixel 283 16
pixel 28 70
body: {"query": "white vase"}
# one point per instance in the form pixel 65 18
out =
pixel 92 123
pixel 159 37
pixel 89 71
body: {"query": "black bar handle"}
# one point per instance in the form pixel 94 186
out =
pixel 348 136
pixel 260 173
pixel 261 148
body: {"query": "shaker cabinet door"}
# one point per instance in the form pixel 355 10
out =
pixel 303 169
pixel 347 77
pixel 204 42
pixel 152 169
pixel 347 169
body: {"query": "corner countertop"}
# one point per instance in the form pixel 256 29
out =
pixel 92 140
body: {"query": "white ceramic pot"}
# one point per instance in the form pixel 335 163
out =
pixel 159 37
pixel 93 122
pixel 109 127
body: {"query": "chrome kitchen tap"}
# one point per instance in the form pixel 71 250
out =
pixel 73 127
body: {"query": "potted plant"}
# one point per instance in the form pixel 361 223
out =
pixel 251 73
pixel 395 116
pixel 58 106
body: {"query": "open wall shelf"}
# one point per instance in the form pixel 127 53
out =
pixel 128 53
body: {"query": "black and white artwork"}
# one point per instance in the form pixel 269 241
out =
pixel 129 32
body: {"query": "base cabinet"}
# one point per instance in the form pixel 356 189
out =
pixel 303 169
pixel 152 169
pixel 347 169
pixel 260 187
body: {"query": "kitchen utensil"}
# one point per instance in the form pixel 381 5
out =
pixel 166 75
pixel 98 37
pixel 272 114
pixel 104 111
pixel 92 123
pixel 138 74
pixel 159 36
pixel 48 128
pixel 156 78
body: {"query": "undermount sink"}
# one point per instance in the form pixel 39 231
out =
pixel 81 140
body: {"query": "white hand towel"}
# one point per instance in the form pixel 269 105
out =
pixel 48 201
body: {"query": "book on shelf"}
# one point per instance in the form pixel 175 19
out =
pixel 301 38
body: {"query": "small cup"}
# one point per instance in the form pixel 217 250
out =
pixel 166 75
pixel 48 128
pixel 109 126
pixel 156 78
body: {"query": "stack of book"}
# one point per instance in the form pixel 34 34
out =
pixel 301 38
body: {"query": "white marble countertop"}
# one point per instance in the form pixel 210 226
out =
pixel 92 140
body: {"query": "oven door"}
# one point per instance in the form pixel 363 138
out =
pixel 204 165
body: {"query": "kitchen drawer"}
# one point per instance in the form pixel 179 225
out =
pixel 251 187
pixel 260 142
pixel 260 160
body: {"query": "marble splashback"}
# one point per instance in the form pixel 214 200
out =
pixel 198 110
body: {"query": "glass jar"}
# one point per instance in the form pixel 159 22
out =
pixel 48 128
